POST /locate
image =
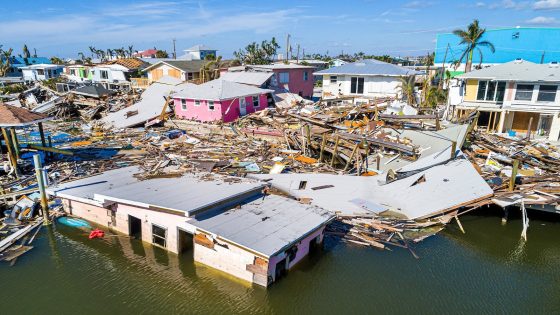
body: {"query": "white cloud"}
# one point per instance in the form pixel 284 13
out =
pixel 542 20
pixel 418 4
pixel 509 4
pixel 546 5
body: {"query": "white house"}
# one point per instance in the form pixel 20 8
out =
pixel 41 72
pixel 365 79
pixel 513 96
pixel 197 52
pixel 117 73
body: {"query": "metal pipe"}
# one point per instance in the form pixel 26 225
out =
pixel 41 184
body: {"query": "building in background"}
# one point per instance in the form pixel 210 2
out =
pixel 534 44
pixel 516 96
pixel 40 72
pixel 186 70
pixel 197 52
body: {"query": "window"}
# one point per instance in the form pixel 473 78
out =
pixel 211 105
pixel 491 91
pixel 197 103
pixel 183 104
pixel 158 235
pixel 305 76
pixel 190 76
pixel 547 93
pixel 302 185
pixel 333 79
pixel 357 85
pixel 104 74
pixel 72 71
pixel 284 77
pixel 40 71
pixel 256 101
pixel 524 92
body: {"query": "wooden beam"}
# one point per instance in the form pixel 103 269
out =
pixel 11 156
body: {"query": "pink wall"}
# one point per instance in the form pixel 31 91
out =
pixel 297 84
pixel 226 110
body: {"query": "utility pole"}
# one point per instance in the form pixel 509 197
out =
pixel 174 51
pixel 542 57
pixel 297 53
pixel 287 47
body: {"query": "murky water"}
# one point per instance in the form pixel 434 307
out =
pixel 487 270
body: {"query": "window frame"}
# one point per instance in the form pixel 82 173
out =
pixel 305 76
pixel 104 77
pixel 211 104
pixel 555 92
pixel 357 86
pixel 517 91
pixel 335 81
pixel 493 91
pixel 287 77
pixel 154 236
pixel 258 101
pixel 183 104
pixel 196 102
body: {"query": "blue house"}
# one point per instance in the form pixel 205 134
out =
pixel 20 62
pixel 534 44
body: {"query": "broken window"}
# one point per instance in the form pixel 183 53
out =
pixel 184 104
pixel 357 85
pixel 104 74
pixel 190 76
pixel 256 101
pixel 211 105
pixel 158 235
pixel 40 71
pixel 302 184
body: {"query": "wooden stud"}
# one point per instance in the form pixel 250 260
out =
pixel 15 142
pixel 11 156
pixel 335 151
pixel 351 156
pixel 323 143
pixel 513 175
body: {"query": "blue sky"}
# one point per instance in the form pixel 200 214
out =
pixel 400 28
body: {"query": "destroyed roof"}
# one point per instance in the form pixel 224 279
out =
pixel 147 52
pixel 251 78
pixel 369 67
pixel 130 63
pixel 279 66
pixel 519 70
pixel 42 66
pixel 96 91
pixel 149 107
pixel 219 90
pixel 184 65
pixel 11 116
pixel 187 194
pixel 199 48
pixel 267 225
pixel 426 193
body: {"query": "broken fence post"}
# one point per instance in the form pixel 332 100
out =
pixel 513 175
pixel 41 184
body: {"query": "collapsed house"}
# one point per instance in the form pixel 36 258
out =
pixel 231 224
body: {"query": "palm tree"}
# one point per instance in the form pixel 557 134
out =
pixel 472 37
pixel 94 51
pixel 130 51
pixel 5 61
pixel 211 68
pixel 407 88
pixel 26 53
pixel 57 61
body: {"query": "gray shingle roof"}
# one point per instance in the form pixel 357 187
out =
pixel 252 78
pixel 369 67
pixel 185 65
pixel 516 71
pixel 218 90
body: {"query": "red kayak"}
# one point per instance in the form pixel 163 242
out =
pixel 97 233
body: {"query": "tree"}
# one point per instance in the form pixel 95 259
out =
pixel 161 54
pixel 211 68
pixel 407 88
pixel 57 61
pixel 472 37
pixel 256 54
pixel 94 51
pixel 26 53
pixel 130 51
pixel 5 61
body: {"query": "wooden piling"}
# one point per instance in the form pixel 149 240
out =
pixel 513 175
pixel 335 151
pixel 41 184
pixel 11 155
pixel 323 143
pixel 15 142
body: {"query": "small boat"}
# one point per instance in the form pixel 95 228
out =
pixel 74 222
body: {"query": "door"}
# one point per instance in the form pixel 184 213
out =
pixel 157 74
pixel 134 227
pixel 242 106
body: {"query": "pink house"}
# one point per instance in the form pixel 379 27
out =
pixel 220 100
pixel 297 79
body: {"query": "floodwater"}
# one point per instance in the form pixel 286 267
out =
pixel 488 270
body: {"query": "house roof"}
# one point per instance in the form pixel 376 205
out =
pixel 42 66
pixel 369 67
pixel 266 225
pixel 517 71
pixel 130 63
pixel 199 48
pixel 280 66
pixel 96 91
pixel 218 90
pixel 187 194
pixel 183 65
pixel 251 78
pixel 19 62
pixel 11 116
pixel 147 52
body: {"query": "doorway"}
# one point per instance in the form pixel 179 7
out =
pixel 242 106
pixel 184 242
pixel 280 269
pixel 134 227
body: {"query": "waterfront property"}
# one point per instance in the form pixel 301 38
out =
pixel 295 78
pixel 514 96
pixel 364 79
pixel 220 100
pixel 185 70
pixel 40 72
pixel 534 44
pixel 231 224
